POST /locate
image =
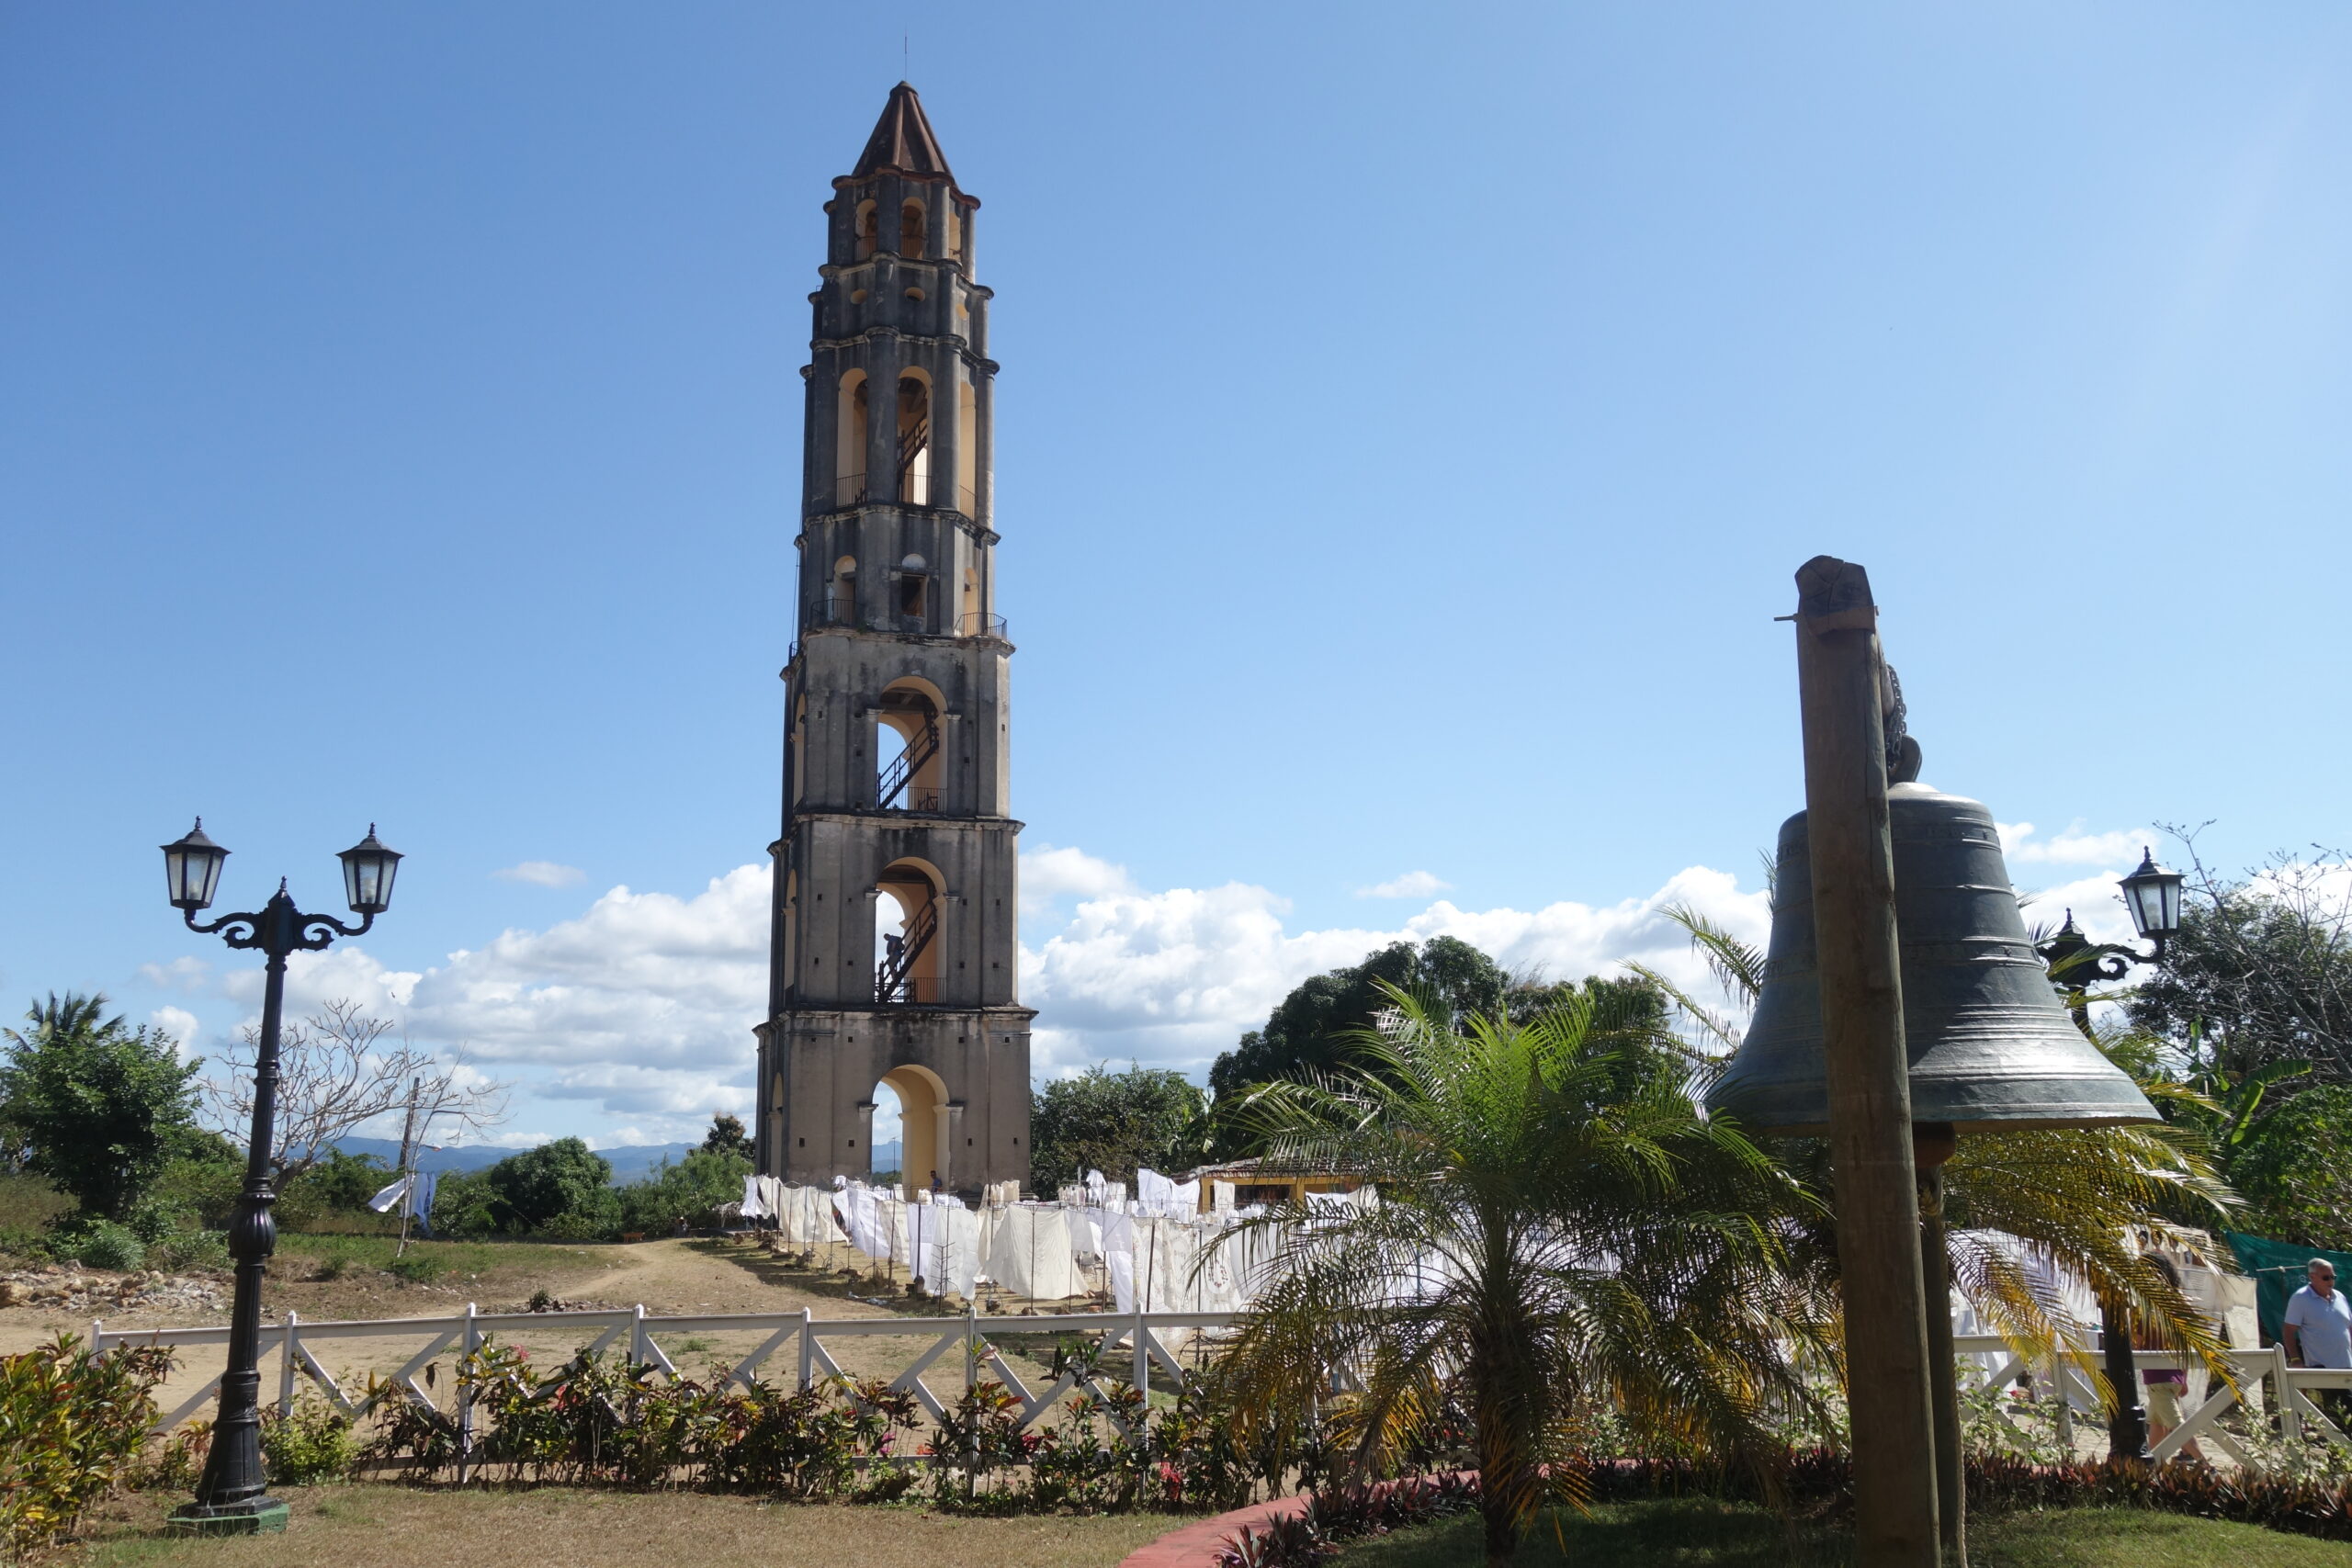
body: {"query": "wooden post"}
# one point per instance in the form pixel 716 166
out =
pixel 285 1367
pixel 1933 1145
pixel 1842 689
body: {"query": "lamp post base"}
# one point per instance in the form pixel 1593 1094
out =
pixel 256 1516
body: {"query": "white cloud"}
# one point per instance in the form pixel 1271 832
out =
pixel 1412 885
pixel 1047 874
pixel 2072 847
pixel 1172 978
pixel 181 973
pixel 543 872
pixel 638 1013
pixel 178 1022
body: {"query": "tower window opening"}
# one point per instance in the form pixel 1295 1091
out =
pixel 849 441
pixel 865 230
pixel 907 751
pixel 914 441
pixel 913 579
pixel 911 1110
pixel 906 937
pixel 910 227
pixel 841 606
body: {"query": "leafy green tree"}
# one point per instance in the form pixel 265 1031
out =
pixel 343 1182
pixel 691 1191
pixel 2260 973
pixel 1114 1122
pixel 533 1189
pixel 97 1107
pixel 1590 1249
pixel 467 1207
pixel 2289 1165
pixel 1320 1025
pixel 726 1136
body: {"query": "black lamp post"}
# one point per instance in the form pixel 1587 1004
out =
pixel 232 1497
pixel 2153 894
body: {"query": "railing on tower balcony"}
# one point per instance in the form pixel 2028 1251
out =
pixel 918 489
pixel 975 623
pixel 904 768
pixel 896 981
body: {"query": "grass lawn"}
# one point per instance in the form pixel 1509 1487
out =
pixel 371 1525
pixel 1694 1533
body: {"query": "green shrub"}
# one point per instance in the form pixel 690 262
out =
pixel 183 1250
pixel 102 1243
pixel 311 1445
pixel 577 1226
pixel 416 1267
pixel 24 1241
pixel 30 1203
pixel 178 1464
pixel 71 1425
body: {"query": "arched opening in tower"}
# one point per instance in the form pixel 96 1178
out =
pixel 840 593
pixel 924 1133
pixel 907 747
pixel 849 441
pixel 906 934
pixel 865 230
pixel 886 1149
pixel 910 227
pixel 914 439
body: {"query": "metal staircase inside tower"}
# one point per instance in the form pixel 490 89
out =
pixel 894 982
pixel 896 777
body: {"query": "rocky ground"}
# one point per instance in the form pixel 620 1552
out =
pixel 53 1288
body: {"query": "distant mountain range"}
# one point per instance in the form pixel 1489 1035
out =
pixel 630 1162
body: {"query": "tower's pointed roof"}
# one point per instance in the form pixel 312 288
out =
pixel 902 141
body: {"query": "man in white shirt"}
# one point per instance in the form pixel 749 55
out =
pixel 2318 1329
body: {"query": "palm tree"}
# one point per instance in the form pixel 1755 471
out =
pixel 2083 1197
pixel 1560 1237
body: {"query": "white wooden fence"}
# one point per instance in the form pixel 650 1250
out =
pixel 1142 1335
pixel 1140 1338
pixel 2078 1378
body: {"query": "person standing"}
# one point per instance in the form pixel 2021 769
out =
pixel 2318 1331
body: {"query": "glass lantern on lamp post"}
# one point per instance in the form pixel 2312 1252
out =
pixel 232 1495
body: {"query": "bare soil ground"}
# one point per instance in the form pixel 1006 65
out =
pixel 378 1526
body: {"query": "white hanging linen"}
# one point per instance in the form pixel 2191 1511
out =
pixel 1085 1230
pixel 1221 1197
pixel 391 1195
pixel 1030 1253
pixel 1119 1246
pixel 752 1207
pixel 898 1238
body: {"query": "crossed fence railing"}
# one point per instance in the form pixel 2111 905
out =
pixel 1142 1336
pixel 2075 1377
pixel 2262 1378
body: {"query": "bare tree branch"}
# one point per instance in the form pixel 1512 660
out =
pixel 337 1071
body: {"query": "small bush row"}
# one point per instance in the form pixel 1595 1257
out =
pixel 601 1420
pixel 72 1424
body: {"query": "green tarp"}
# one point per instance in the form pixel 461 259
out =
pixel 2277 1271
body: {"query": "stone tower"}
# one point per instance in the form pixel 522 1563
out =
pixel 894 947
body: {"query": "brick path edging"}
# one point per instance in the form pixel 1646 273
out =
pixel 1195 1545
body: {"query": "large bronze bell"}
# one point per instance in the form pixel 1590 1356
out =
pixel 1990 1045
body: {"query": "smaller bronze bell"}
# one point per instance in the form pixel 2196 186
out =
pixel 1990 1045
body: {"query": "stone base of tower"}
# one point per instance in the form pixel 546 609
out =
pixel 961 1074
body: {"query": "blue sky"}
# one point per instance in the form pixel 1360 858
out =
pixel 1410 420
